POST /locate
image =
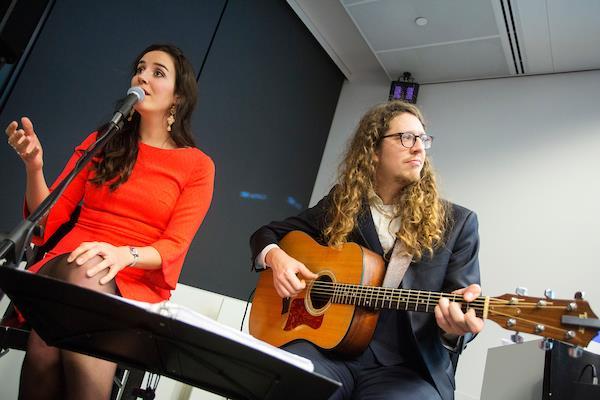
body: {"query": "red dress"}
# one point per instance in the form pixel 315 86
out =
pixel 161 205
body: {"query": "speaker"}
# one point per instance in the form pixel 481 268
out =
pixel 567 378
pixel 20 18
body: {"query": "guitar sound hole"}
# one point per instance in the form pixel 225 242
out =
pixel 321 291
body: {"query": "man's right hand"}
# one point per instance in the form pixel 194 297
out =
pixel 26 144
pixel 285 270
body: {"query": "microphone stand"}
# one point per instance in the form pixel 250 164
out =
pixel 12 245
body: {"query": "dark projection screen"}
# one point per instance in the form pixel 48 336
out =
pixel 267 90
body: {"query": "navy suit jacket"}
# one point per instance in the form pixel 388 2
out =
pixel 453 266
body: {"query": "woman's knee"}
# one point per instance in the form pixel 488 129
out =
pixel 77 274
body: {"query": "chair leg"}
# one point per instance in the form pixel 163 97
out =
pixel 119 384
pixel 125 385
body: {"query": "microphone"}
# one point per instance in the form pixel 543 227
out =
pixel 134 95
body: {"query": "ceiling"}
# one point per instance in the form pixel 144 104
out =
pixel 462 40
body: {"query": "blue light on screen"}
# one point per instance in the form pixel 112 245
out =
pixel 253 196
pixel 294 203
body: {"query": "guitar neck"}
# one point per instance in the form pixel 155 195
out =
pixel 395 299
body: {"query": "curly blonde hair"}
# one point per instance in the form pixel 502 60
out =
pixel 424 216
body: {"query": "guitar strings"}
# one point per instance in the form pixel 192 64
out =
pixel 380 294
pixel 422 299
pixel 336 289
pixel 331 288
pixel 413 298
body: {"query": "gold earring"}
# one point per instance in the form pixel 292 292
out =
pixel 130 115
pixel 171 118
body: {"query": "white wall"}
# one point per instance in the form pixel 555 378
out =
pixel 523 153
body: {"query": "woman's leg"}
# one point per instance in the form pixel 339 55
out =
pixel 41 373
pixel 85 377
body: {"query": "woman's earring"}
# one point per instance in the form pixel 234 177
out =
pixel 171 118
pixel 130 115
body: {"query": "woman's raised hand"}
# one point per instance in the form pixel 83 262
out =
pixel 26 144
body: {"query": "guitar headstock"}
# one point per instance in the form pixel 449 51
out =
pixel 569 321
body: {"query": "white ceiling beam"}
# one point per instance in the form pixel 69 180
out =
pixel 333 28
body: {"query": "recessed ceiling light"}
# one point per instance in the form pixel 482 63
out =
pixel 421 21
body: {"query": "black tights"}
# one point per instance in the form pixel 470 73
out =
pixel 52 373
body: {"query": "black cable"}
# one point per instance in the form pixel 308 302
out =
pixel 212 39
pixel 246 309
pixel 594 373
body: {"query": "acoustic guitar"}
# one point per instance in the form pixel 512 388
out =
pixel 339 310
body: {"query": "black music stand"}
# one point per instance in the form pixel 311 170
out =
pixel 89 322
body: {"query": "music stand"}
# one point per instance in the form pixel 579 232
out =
pixel 89 322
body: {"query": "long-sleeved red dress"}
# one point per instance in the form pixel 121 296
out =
pixel 161 205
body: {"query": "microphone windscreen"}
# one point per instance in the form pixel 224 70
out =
pixel 138 91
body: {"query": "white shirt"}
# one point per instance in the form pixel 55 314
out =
pixel 386 223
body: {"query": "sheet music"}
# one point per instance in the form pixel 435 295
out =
pixel 191 317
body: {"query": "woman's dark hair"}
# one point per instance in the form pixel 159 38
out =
pixel 115 162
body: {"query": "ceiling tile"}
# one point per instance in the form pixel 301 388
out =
pixel 389 24
pixel 455 61
pixel 574 32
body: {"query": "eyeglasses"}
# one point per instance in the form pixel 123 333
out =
pixel 408 139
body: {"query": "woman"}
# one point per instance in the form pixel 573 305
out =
pixel 142 201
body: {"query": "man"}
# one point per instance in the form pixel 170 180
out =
pixel 386 200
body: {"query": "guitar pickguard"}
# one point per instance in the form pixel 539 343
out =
pixel 299 316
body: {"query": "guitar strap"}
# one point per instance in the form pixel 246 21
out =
pixel 399 262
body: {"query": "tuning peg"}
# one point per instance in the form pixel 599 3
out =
pixel 546 344
pixel 570 334
pixel 575 352
pixel 521 291
pixel 516 338
pixel 549 293
pixel 579 295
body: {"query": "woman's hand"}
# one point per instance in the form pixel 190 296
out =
pixel 450 317
pixel 26 144
pixel 114 258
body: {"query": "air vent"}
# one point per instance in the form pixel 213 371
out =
pixel 511 34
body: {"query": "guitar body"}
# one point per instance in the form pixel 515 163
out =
pixel 344 328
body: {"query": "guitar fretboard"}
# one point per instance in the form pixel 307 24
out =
pixel 388 298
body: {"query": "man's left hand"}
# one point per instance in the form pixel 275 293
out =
pixel 450 317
